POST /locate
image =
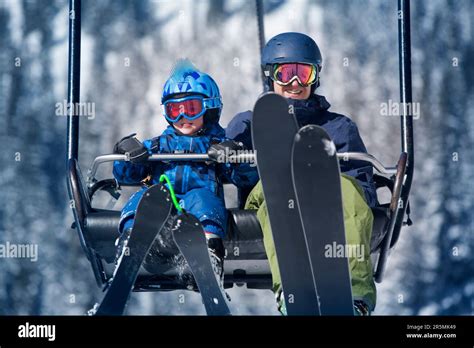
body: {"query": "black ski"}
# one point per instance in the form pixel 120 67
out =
pixel 273 145
pixel 153 210
pixel 191 241
pixel 317 183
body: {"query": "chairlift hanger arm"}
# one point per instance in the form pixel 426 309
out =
pixel 239 158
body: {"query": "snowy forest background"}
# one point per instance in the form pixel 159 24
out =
pixel 128 48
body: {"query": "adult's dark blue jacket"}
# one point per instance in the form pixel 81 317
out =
pixel 342 130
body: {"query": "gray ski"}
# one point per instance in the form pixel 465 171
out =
pixel 273 146
pixel 191 241
pixel 317 183
pixel 153 210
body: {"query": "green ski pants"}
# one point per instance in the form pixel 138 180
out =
pixel 358 221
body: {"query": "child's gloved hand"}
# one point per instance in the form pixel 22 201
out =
pixel 133 148
pixel 220 152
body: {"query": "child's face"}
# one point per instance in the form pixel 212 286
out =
pixel 188 127
pixel 185 126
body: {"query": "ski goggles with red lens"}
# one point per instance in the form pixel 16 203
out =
pixel 284 74
pixel 190 107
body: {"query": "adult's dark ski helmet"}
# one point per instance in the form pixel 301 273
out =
pixel 290 48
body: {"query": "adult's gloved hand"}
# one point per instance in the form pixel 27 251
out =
pixel 133 148
pixel 219 152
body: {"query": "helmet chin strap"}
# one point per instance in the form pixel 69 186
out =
pixel 270 85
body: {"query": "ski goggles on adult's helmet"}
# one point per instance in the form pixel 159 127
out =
pixel 285 73
pixel 190 107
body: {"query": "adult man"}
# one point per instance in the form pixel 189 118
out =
pixel 292 64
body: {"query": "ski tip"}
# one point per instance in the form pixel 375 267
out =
pixel 157 188
pixel 270 97
pixel 312 129
pixel 307 136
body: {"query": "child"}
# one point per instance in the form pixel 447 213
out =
pixel 192 106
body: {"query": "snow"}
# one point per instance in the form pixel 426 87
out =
pixel 17 19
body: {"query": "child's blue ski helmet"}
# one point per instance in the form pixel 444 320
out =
pixel 186 78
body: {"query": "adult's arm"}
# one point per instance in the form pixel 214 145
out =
pixel 239 129
pixel 351 141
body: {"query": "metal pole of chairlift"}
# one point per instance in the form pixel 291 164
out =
pixel 73 180
pixel 74 66
pixel 404 47
pixel 261 34
pixel 406 98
